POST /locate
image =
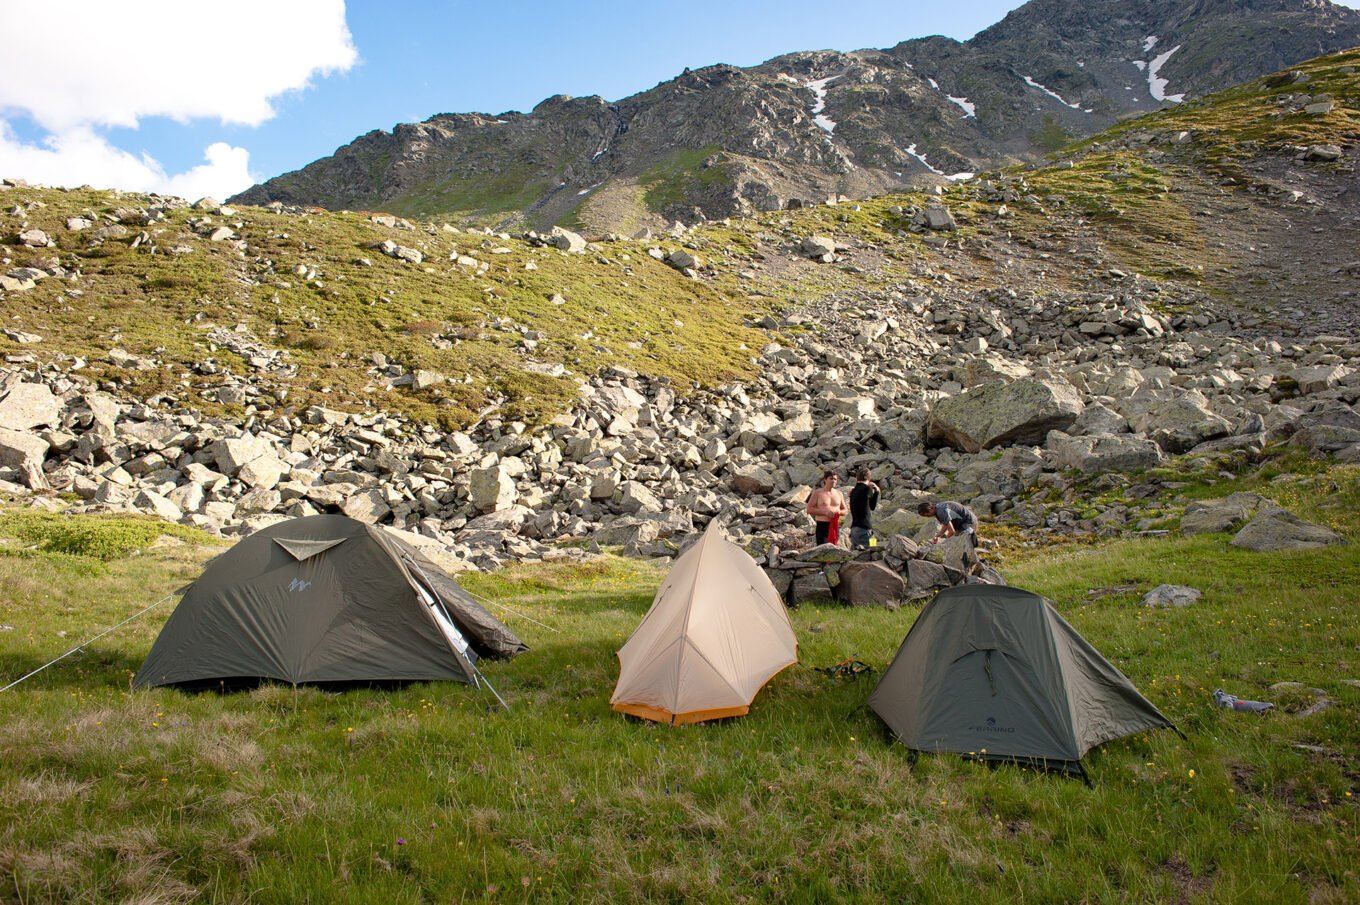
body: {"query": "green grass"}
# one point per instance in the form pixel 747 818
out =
pixel 675 178
pixel 429 793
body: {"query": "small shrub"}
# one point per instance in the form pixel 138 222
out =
pixel 423 328
pixel 313 341
pixel 94 537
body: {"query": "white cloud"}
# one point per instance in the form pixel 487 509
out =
pixel 79 156
pixel 73 66
pixel 77 62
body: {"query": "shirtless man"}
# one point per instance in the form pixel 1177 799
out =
pixel 827 506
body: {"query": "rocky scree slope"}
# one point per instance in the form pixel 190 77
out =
pixel 723 140
pixel 992 343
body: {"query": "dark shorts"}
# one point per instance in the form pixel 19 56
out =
pixel 859 538
pixel 823 532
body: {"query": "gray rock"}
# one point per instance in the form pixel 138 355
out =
pixel 146 501
pixel 1273 528
pixel 566 240
pixel 491 488
pixel 1323 153
pixel 637 498
pixel 923 575
pixel 808 586
pixel 998 414
pixel 819 248
pixel 367 506
pixel 1318 378
pixel 827 554
pixel 29 405
pixel 1098 419
pixel 869 584
pixel 25 452
pixel 233 453
pixel 256 502
pixel 1173 595
pixel 752 479
pixel 1179 424
pixel 1102 453
pixel 35 238
pixel 262 471
pixel 683 260
pixel 1213 516
pixel 936 217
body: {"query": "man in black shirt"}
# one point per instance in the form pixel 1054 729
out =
pixel 954 518
pixel 863 500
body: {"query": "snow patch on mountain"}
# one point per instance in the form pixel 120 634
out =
pixel 953 177
pixel 818 89
pixel 1157 84
pixel 969 109
pixel 1055 95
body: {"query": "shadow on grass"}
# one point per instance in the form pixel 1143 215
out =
pixel 86 668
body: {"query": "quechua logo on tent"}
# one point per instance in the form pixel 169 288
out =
pixel 297 584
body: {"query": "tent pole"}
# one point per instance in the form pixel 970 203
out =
pixel 490 686
pixel 82 645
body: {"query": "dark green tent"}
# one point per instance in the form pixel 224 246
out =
pixel 994 672
pixel 324 599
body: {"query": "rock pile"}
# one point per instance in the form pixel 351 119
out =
pixel 976 397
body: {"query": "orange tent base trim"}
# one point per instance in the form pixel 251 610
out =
pixel 658 715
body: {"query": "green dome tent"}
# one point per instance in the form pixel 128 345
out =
pixel 324 599
pixel 994 672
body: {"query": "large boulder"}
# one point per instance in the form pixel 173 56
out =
pixel 1001 414
pixel 869 584
pixel 29 405
pixel 1181 423
pixel 923 575
pixel 566 240
pixel 752 479
pixel 635 498
pixel 491 488
pixel 1328 429
pixel 1103 453
pixel 367 506
pixel 24 452
pixel 1211 516
pixel 233 454
pixel 1274 528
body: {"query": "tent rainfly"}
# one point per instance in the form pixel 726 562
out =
pixel 324 599
pixel 994 672
pixel 717 631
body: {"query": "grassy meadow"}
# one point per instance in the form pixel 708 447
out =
pixel 431 793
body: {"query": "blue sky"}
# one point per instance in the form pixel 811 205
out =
pixel 210 97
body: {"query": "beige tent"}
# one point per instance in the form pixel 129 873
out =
pixel 716 633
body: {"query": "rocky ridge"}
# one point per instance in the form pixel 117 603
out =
pixel 723 140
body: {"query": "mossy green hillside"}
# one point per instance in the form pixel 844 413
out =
pixel 619 306
pixel 1264 114
pixel 679 176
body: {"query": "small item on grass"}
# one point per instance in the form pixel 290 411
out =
pixel 1233 702
pixel 851 668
